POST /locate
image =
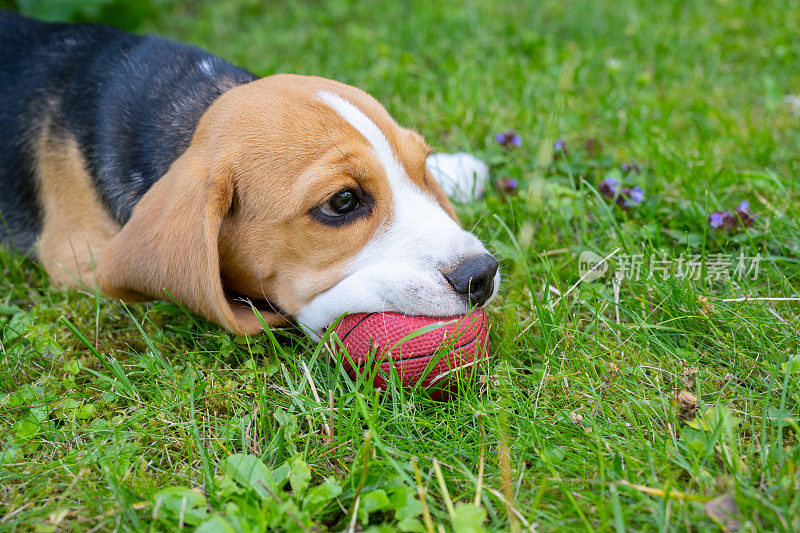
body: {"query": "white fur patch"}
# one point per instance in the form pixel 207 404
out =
pixel 372 133
pixel 400 269
pixel 207 66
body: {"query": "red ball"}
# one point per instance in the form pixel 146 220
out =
pixel 462 341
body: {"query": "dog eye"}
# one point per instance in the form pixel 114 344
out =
pixel 343 208
pixel 341 204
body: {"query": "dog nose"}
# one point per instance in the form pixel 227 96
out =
pixel 474 278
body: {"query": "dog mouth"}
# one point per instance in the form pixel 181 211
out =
pixel 469 308
pixel 392 287
pixel 260 304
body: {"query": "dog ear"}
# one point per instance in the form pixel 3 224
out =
pixel 440 195
pixel 169 247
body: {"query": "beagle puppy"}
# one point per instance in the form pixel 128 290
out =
pixel 156 170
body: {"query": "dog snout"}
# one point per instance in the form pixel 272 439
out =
pixel 474 278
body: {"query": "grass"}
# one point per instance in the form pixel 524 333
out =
pixel 644 404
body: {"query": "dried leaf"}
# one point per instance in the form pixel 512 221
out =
pixel 687 405
pixel 723 511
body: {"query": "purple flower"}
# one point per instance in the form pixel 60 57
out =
pixel 507 186
pixel 508 138
pixel 743 214
pixel 635 196
pixel 612 188
pixel 609 186
pixel 560 149
pixel 716 219
pixel 727 220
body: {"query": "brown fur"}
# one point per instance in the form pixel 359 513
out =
pixel 231 214
pixel 76 228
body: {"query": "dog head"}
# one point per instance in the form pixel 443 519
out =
pixel 304 193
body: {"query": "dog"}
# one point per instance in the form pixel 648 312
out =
pixel 152 169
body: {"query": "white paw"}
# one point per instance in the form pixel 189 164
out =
pixel 463 176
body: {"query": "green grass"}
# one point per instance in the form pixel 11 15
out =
pixel 607 406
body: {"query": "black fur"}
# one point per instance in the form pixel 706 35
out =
pixel 131 102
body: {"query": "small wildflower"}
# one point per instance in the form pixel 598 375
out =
pixel 635 196
pixel 507 186
pixel 630 167
pixel 717 218
pixel 559 149
pixel 612 188
pixel 609 186
pixel 728 220
pixel 508 138
pixel 745 215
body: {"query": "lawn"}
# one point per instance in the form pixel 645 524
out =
pixel 664 395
